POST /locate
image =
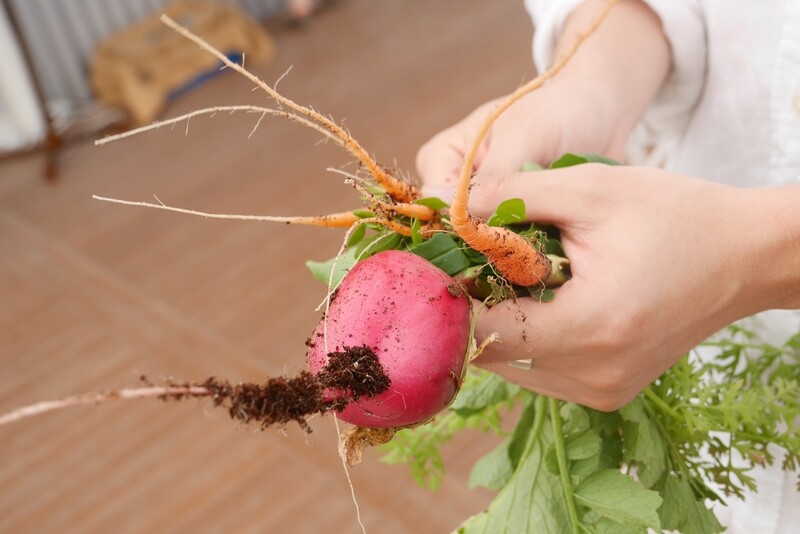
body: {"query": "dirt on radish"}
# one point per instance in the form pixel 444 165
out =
pixel 355 372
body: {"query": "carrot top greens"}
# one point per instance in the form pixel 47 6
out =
pixel 703 420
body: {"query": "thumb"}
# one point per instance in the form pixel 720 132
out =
pixel 440 160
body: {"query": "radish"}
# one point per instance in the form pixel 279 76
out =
pixel 416 319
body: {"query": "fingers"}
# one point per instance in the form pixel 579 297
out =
pixel 530 329
pixel 557 386
pixel 537 380
pixel 551 196
pixel 438 164
pixel 439 161
pixel 572 347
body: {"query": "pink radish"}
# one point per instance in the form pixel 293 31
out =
pixel 416 319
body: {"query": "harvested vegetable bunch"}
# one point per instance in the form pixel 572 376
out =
pixel 397 310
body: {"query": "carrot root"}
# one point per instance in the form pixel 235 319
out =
pixel 396 188
pixel 333 220
pixel 513 256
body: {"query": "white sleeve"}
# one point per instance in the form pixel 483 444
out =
pixel 683 23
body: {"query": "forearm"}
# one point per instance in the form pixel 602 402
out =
pixel 622 65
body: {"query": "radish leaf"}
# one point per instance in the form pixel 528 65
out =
pixel 322 270
pixel 444 252
pixel 529 166
pixel 508 212
pixel 571 159
pixel 433 203
pixel 619 498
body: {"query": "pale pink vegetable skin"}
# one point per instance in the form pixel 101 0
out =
pixel 416 319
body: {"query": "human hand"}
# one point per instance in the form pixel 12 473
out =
pixel 659 263
pixel 592 105
pixel 557 118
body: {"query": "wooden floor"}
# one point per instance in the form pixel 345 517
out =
pixel 92 295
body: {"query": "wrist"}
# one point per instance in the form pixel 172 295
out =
pixel 624 63
pixel 772 248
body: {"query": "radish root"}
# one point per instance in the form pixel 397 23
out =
pixel 280 400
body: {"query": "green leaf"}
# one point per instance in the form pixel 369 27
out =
pixel 530 166
pixel 584 445
pixel 444 252
pixel 416 237
pixel 433 203
pixel 619 498
pixel 644 445
pixel 532 501
pixel 363 248
pixel 598 524
pixel 510 211
pixel 322 270
pixel 570 159
pixel 419 447
pixel 683 512
pixel 494 470
pixel 378 243
pixel 521 435
pixel 575 418
pixel 363 214
pixel 490 389
pixel 357 235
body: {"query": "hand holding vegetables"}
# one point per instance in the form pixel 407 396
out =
pixel 659 263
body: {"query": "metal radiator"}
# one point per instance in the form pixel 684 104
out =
pixel 61 35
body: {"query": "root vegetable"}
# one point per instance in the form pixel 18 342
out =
pixel 416 319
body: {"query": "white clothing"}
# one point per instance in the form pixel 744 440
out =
pixel 728 112
pixel 730 109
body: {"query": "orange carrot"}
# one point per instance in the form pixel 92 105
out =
pixel 514 256
pixel 415 211
pixel 333 220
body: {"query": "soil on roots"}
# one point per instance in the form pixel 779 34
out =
pixel 353 373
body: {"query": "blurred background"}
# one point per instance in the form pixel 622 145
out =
pixel 93 295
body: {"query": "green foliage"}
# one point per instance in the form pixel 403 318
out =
pixel 571 159
pixel 321 270
pixel 479 405
pixel 508 212
pixel 530 166
pixel 433 203
pixel 445 252
pixel 573 469
pixel 566 468
pixel 360 246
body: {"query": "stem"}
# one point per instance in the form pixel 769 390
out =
pixel 563 469
pixel 99 398
pixel 659 402
pixel 538 422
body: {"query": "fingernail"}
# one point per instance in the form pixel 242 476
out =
pixel 525 365
pixel 443 193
